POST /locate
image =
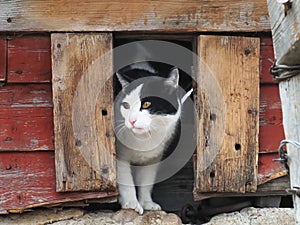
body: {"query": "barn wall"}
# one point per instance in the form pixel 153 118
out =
pixel 27 168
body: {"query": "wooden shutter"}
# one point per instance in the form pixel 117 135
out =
pixel 228 113
pixel 83 100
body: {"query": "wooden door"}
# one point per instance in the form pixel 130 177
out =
pixel 228 113
pixel 83 112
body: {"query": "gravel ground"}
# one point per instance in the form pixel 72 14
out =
pixel 247 216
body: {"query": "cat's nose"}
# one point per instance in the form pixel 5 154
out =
pixel 132 121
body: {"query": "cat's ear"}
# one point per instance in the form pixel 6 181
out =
pixel 173 78
pixel 121 79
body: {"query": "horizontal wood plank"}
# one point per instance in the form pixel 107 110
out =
pixel 18 95
pixel 26 129
pixel 29 59
pixel 28 180
pixel 3 48
pixel 274 187
pixel 167 16
pixel 26 117
pixel 270 119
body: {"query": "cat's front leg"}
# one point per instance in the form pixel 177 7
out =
pixel 145 176
pixel 127 197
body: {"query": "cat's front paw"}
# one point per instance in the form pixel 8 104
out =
pixel 150 205
pixel 134 204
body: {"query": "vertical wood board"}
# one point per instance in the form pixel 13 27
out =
pixel 83 100
pixel 228 90
pixel 29 60
pixel 290 98
pixel 285 27
pixel 3 48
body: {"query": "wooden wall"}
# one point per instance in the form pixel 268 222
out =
pixel 143 15
pixel 27 169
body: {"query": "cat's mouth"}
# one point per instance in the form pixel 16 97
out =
pixel 138 130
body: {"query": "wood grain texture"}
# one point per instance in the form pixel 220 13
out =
pixel 26 117
pixel 275 187
pixel 285 26
pixel 28 180
pixel 83 100
pixel 29 60
pixel 290 98
pixel 228 91
pixel 173 15
pixel 3 48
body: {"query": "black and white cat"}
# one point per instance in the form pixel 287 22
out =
pixel 147 114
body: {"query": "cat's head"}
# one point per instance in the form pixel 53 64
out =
pixel 148 104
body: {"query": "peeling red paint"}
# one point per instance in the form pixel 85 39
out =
pixel 27 176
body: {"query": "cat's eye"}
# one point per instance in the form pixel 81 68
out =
pixel 126 105
pixel 146 105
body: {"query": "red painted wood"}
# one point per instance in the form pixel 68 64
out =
pixel 3 45
pixel 17 95
pixel 28 180
pixel 26 124
pixel 266 60
pixel 26 117
pixel 271 127
pixel 269 169
pixel 29 59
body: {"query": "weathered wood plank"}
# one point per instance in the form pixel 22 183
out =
pixel 21 95
pixel 26 129
pixel 83 100
pixel 285 26
pixel 29 59
pixel 3 47
pixel 286 37
pixel 27 180
pixel 274 187
pixel 228 114
pixel 270 119
pixel 173 15
pixel 26 117
pixel 290 98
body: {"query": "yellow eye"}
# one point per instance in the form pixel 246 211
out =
pixel 146 105
pixel 126 105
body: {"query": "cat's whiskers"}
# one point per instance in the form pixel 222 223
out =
pixel 121 131
pixel 119 126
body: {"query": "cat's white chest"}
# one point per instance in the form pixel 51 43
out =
pixel 140 152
